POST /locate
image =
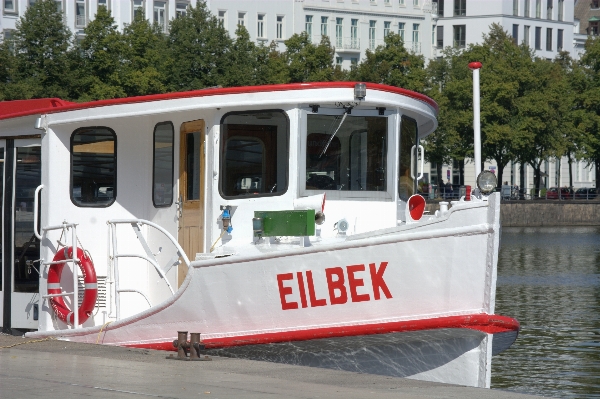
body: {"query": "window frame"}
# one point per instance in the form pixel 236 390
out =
pixel 279 27
pixel 172 163
pixel 85 14
pixel 15 9
pixel 223 144
pixel 386 195
pixel 141 8
pixel 114 198
pixel 440 36
pixel 261 23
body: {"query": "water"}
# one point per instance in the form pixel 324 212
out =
pixel 549 280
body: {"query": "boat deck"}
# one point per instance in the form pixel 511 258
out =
pixel 59 369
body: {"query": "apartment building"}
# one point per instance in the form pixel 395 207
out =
pixel 544 25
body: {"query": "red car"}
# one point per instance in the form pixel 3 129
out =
pixel 562 193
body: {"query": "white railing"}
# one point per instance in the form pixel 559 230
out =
pixel 114 256
pixel 74 261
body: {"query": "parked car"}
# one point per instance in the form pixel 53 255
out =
pixel 562 193
pixel 586 193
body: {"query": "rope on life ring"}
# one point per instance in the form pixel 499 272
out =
pixel 89 278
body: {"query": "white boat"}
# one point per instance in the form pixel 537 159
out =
pixel 277 221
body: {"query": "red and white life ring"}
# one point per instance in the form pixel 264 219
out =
pixel 89 278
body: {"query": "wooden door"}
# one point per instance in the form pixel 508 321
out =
pixel 191 191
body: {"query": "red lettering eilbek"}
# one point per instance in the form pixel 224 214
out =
pixel 336 285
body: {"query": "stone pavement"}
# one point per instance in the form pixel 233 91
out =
pixel 58 369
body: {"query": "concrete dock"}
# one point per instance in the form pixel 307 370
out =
pixel 58 369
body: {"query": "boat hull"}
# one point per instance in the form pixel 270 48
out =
pixel 421 295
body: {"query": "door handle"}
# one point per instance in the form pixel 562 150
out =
pixel 35 211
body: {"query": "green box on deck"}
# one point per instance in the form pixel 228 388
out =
pixel 286 223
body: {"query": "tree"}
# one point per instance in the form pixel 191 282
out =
pixel 145 60
pixel 6 68
pixel 308 62
pixel 392 64
pixel 100 60
pixel 42 60
pixel 590 61
pixel 247 60
pixel 199 50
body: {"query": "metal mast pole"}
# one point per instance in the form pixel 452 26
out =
pixel 475 66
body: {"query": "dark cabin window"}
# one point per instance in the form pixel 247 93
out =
pixel 93 167
pixel 162 176
pixel 254 154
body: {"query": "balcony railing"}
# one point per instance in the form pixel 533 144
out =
pixel 80 20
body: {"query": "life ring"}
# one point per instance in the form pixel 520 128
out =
pixel 89 278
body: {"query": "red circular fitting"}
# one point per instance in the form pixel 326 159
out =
pixel 475 65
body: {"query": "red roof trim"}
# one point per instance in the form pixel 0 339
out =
pixel 490 324
pixel 9 108
pixel 61 105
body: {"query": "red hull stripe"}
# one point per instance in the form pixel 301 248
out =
pixel 8 109
pixel 490 324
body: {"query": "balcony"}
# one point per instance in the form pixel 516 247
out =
pixel 346 44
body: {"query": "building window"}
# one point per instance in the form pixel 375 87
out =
pixel 440 37
pixel 160 14
pixel 354 41
pixel 241 19
pixel 10 6
pixel 181 9
pixel 386 2
pixel 163 165
pixel 279 27
pixel 549 9
pixel 561 9
pixel 308 25
pixel 433 35
pixel 93 166
pixel 354 61
pixel 559 40
pixel 255 154
pixel 416 3
pixel 526 10
pixel 401 2
pixel 138 8
pixel 515 34
pixel 460 7
pixel 7 37
pixel 415 35
pixel 324 26
pixel 372 32
pixel 221 17
pixel 339 32
pixel 526 35
pixel 103 3
pixel 386 28
pixel 459 36
pixel 548 39
pixel 401 28
pixel 538 9
pixel 338 61
pixel 260 26
pixel 80 14
pixel 538 38
pixel 440 4
pixel 516 7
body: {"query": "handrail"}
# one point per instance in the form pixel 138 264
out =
pixel 74 259
pixel 148 256
pixel 35 211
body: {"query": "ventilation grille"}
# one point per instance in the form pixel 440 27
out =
pixel 101 301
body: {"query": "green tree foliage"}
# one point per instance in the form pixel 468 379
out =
pixel 42 62
pixel 99 58
pixel 6 67
pixel 247 61
pixel 590 62
pixel 199 50
pixel 308 62
pixel 145 65
pixel 392 64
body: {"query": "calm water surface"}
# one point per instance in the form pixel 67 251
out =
pixel 549 280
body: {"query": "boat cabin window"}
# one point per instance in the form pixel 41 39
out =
pixel 93 166
pixel 254 153
pixel 162 176
pixel 346 156
pixel 407 185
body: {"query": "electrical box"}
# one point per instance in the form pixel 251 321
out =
pixel 284 223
